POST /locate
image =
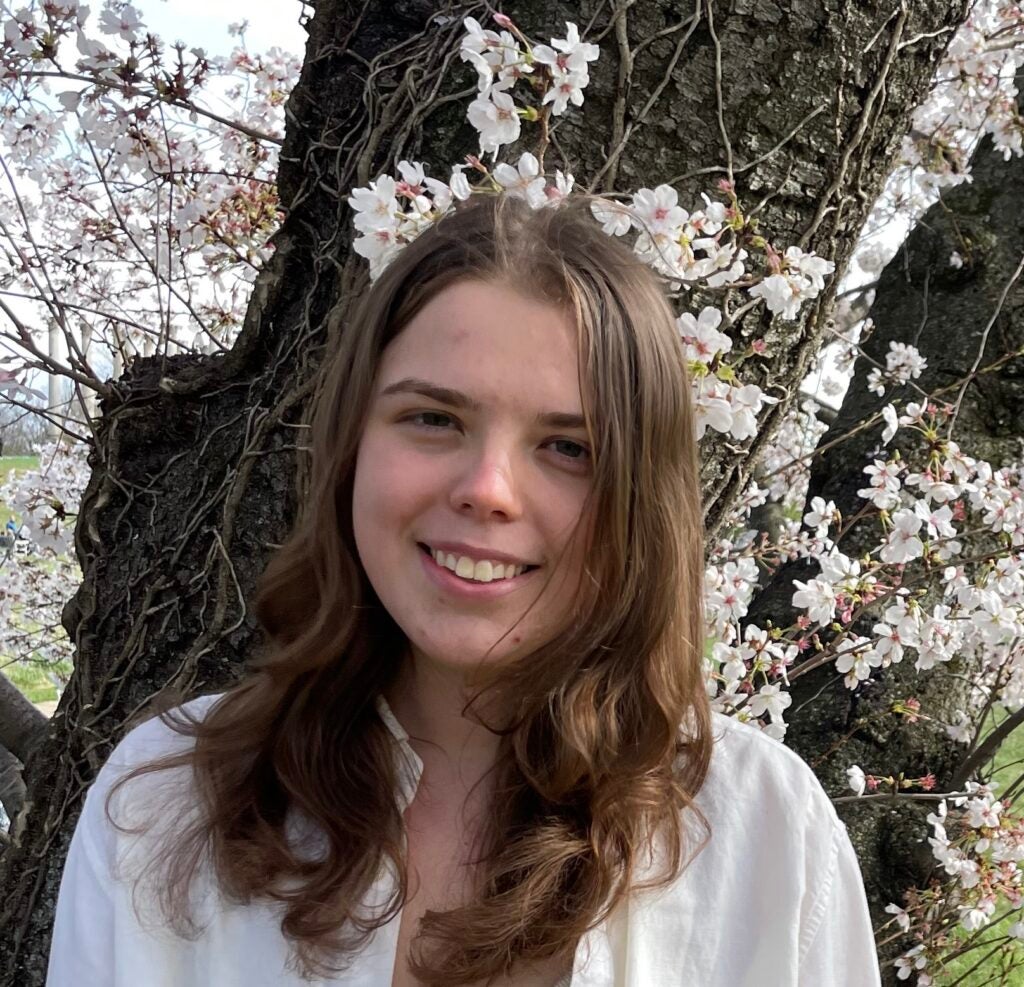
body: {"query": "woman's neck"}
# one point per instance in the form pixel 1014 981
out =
pixel 428 700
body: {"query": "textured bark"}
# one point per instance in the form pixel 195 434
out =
pixel 12 787
pixel 923 300
pixel 20 722
pixel 197 466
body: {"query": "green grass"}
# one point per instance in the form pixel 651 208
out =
pixel 32 680
pixel 18 463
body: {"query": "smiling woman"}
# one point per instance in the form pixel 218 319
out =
pixel 458 455
pixel 477 746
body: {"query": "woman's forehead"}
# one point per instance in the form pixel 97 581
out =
pixel 489 341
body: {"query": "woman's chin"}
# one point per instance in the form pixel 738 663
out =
pixel 464 659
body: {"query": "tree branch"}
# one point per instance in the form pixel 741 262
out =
pixel 12 786
pixel 21 724
pixel 986 749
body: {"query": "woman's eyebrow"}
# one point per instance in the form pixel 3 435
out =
pixel 456 399
pixel 443 395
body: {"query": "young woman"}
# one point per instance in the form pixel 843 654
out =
pixel 477 746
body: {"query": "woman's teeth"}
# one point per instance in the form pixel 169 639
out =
pixel 479 572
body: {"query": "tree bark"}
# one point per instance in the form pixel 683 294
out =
pixel 12 786
pixel 20 722
pixel 197 466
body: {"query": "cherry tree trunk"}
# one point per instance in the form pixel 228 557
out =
pixel 198 465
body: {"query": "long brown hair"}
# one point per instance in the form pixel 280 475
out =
pixel 611 734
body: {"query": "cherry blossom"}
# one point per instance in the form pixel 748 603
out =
pixel 821 515
pixel 772 700
pixel 857 781
pixel 901 916
pixel 700 334
pixel 903 543
pixel 817 597
pixel 494 116
pixel 885 484
pixel 525 180
pixel 567 58
pixel 903 363
pixel 909 962
pixel 856 659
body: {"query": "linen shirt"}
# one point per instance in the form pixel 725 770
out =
pixel 775 898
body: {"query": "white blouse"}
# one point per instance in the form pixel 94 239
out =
pixel 775 899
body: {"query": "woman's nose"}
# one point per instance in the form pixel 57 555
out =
pixel 487 487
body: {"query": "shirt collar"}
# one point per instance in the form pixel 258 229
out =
pixel 408 764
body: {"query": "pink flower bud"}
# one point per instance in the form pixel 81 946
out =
pixel 503 20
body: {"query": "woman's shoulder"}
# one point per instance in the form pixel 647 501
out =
pixel 772 843
pixel 155 737
pixel 133 795
pixel 126 812
pixel 751 772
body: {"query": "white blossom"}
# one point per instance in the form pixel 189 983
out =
pixel 856 660
pixel 701 336
pixel 524 181
pixel 772 700
pixel 494 115
pixel 782 295
pixel 820 516
pixel 961 729
pixel 901 915
pixel 857 781
pixel 817 597
pixel 615 218
pixel 658 210
pixel 903 544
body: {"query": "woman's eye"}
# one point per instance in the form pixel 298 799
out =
pixel 431 419
pixel 570 449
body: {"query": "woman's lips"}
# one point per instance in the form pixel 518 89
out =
pixel 467 588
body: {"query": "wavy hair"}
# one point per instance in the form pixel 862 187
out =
pixel 610 734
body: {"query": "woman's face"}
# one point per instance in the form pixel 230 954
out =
pixel 474 458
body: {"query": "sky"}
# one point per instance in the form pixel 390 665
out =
pixel 204 23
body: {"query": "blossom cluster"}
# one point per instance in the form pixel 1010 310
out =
pixel 924 504
pixel 973 94
pixel 979 845
pixel 903 363
pixel 37 586
pixel 146 189
pixel 921 514
pixel 500 63
pixel 688 247
pixel 719 402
